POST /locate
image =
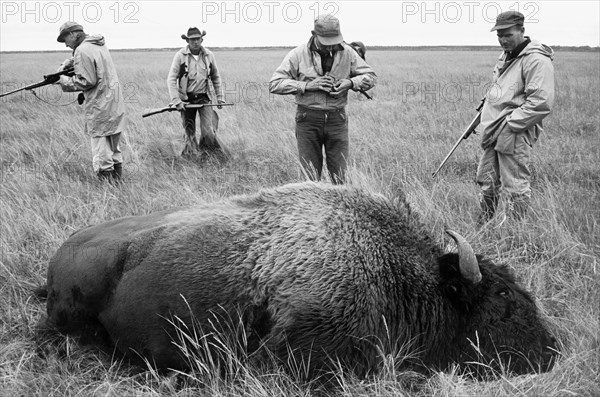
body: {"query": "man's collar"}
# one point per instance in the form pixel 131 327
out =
pixel 189 52
pixel 515 53
pixel 79 41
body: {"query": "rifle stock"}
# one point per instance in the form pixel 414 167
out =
pixel 468 131
pixel 150 112
pixel 48 79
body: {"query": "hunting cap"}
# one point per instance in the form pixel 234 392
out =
pixel 327 29
pixel 67 27
pixel 508 19
pixel 193 33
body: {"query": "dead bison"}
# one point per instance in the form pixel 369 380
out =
pixel 314 272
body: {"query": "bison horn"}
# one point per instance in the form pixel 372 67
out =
pixel 467 262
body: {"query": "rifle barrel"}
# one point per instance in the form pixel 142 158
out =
pixel 13 91
pixel 48 79
pixel 150 112
pixel 27 87
pixel 468 131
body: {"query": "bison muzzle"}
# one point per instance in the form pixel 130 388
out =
pixel 325 274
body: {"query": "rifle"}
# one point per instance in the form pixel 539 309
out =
pixel 470 129
pixel 150 112
pixel 48 79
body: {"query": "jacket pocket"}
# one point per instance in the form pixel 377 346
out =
pixel 506 142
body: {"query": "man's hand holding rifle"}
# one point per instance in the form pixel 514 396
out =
pixel 68 63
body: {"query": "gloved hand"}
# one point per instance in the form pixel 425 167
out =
pixel 220 101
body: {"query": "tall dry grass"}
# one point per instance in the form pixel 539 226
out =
pixel 48 191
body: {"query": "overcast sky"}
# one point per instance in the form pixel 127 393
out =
pixel 28 26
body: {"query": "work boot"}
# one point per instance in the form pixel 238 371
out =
pixel 117 172
pixel 488 209
pixel 518 207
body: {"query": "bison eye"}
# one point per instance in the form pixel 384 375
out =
pixel 506 295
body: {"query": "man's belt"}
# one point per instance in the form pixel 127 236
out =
pixel 307 109
pixel 193 97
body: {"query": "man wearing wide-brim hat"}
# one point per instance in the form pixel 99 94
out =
pixel 188 82
pixel 320 73
pixel 521 96
pixel 95 76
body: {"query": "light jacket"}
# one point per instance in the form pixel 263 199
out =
pixel 187 75
pixel 96 76
pixel 299 67
pixel 521 95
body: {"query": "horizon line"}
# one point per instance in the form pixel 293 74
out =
pixel 586 48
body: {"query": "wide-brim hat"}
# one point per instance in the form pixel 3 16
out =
pixel 327 29
pixel 67 27
pixel 508 19
pixel 193 33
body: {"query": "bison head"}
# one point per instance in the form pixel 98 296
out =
pixel 498 325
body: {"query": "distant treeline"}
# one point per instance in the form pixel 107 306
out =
pixel 383 48
pixel 586 48
pixel 557 48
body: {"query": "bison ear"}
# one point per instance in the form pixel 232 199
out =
pixel 460 292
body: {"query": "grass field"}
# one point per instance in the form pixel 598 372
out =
pixel 422 102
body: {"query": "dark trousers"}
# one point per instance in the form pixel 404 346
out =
pixel 317 130
pixel 208 123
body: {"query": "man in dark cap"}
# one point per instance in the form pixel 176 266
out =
pixel 188 83
pixel 95 75
pixel 520 97
pixel 320 73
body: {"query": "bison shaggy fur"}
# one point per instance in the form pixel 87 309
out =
pixel 314 272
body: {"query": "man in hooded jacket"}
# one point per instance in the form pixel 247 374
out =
pixel 521 96
pixel 95 75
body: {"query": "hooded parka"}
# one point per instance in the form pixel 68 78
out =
pixel 95 75
pixel 521 95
